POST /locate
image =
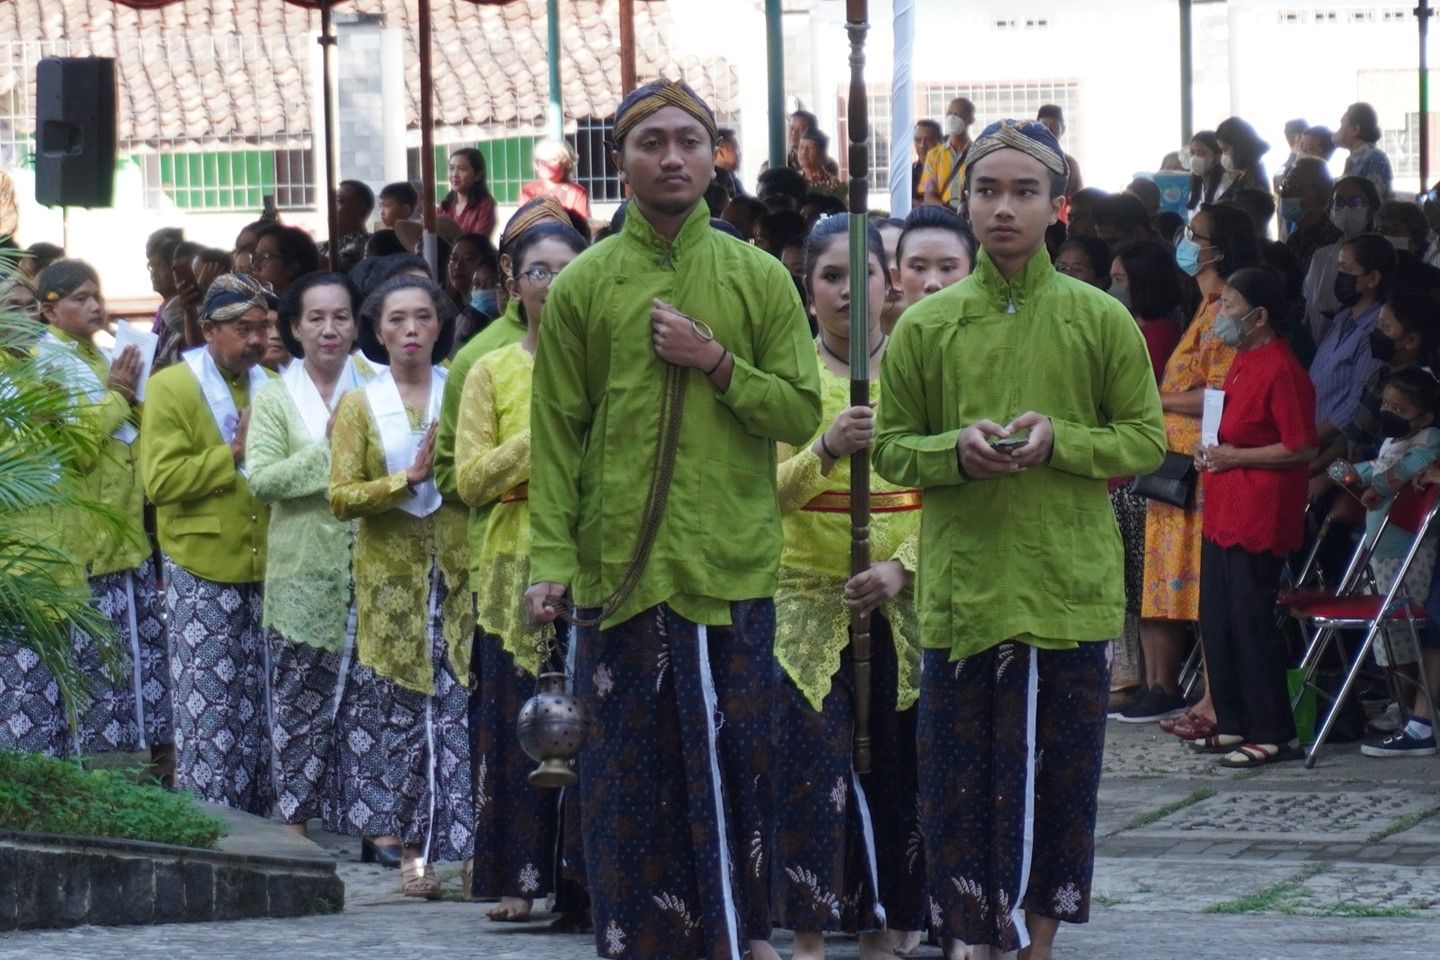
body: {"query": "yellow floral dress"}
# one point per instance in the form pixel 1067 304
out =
pixel 1172 534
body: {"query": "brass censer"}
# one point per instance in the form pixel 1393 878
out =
pixel 551 725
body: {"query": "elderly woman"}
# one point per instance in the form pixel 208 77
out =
pixel 318 718
pixel 813 158
pixel 415 619
pixel 130 709
pixel 211 529
pixel 1219 241
pixel 1255 482
pixel 555 169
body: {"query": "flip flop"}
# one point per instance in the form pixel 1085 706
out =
pixel 1216 743
pixel 1194 727
pixel 1258 754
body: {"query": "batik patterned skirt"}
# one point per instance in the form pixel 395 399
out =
pixel 675 782
pixel 515 823
pixel 124 712
pixel 842 837
pixel 1126 665
pixel 425 743
pixel 1010 743
pixel 317 767
pixel 219 689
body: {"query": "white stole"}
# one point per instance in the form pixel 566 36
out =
pixel 399 440
pixel 314 411
pixel 66 360
pixel 217 392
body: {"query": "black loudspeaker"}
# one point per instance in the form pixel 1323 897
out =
pixel 75 131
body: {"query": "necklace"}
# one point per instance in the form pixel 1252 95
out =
pixel 826 347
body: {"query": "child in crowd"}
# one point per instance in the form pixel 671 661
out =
pixel 1407 418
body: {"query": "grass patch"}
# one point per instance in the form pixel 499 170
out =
pixel 1361 911
pixel 1403 824
pixel 1189 800
pixel 1276 898
pixel 45 795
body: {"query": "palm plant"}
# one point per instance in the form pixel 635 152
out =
pixel 43 594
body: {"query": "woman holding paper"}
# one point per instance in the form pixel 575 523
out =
pixel 129 710
pixel 318 703
pixel 415 619
pixel 1255 480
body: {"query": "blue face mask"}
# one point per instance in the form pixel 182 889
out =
pixel 486 301
pixel 1291 209
pixel 1187 256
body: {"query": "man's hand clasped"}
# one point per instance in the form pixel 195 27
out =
pixel 982 461
pixel 683 340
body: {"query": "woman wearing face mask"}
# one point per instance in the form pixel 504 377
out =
pixel 1241 150
pixel 1353 205
pixel 554 162
pixel 821 846
pixel 1205 168
pixel 1255 492
pixel 516 825
pixel 1365 271
pixel 471 250
pixel 1145 279
pixel 1218 242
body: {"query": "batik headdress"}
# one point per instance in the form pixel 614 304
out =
pixel 231 296
pixel 1028 136
pixel 646 101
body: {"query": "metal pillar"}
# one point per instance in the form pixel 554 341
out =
pixel 775 59
pixel 1422 15
pixel 1187 73
pixel 427 138
pixel 332 162
pixel 554 117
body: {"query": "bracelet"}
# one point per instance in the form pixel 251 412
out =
pixel 723 354
pixel 826 447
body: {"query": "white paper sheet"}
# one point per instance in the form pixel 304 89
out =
pixel 145 343
pixel 1210 417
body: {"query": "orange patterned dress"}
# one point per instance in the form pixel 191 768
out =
pixel 1172 535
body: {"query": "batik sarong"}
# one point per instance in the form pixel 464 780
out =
pixel 126 706
pixel 675 782
pixel 360 801
pixel 308 688
pixel 842 836
pixel 219 677
pixel 515 823
pixel 1010 743
pixel 426 745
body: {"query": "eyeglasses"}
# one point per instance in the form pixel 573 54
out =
pixel 1354 203
pixel 540 276
pixel 1191 235
pixel 258 258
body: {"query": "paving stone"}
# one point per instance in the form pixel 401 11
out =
pixel 1310 815
pixel 1355 887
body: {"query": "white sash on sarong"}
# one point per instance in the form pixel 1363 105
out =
pixel 399 439
pixel 64 359
pixel 217 392
pixel 314 411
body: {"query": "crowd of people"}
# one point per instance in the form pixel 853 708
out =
pixel 366 505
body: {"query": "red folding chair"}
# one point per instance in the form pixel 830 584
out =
pixel 1416 514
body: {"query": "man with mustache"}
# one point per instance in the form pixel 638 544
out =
pixel 212 539
pixel 674 586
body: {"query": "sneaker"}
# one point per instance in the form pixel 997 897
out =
pixel 1130 701
pixel 1388 721
pixel 1155 705
pixel 1401 743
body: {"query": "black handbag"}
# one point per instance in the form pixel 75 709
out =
pixel 1173 483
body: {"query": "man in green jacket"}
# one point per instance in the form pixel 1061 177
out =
pixel 671 360
pixel 1011 398
pixel 211 530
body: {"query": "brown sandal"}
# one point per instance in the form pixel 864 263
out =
pixel 419 880
pixel 1258 754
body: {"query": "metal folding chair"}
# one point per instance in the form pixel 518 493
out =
pixel 1416 514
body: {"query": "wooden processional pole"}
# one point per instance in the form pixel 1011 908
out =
pixel 857 25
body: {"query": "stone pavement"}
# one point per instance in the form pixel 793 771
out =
pixel 1193 861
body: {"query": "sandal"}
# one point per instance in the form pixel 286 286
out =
pixel 419 880
pixel 1215 743
pixel 1197 727
pixel 1258 754
pixel 1171 724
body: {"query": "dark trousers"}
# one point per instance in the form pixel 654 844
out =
pixel 1244 651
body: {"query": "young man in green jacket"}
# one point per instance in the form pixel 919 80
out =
pixel 1011 398
pixel 677 671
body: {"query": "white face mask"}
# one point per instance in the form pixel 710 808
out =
pixel 1399 243
pixel 954 125
pixel 1199 166
pixel 1350 221
pixel 1227 163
